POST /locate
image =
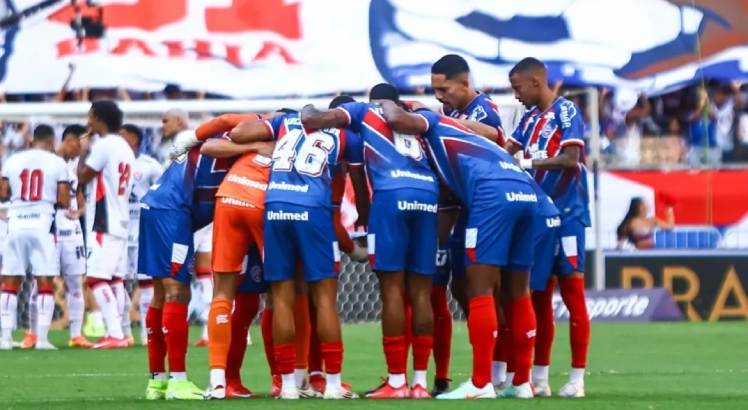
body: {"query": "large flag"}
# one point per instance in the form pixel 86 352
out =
pixel 252 48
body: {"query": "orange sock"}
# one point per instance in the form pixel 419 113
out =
pixel 303 331
pixel 219 332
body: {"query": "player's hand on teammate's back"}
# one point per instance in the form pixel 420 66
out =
pixel 182 143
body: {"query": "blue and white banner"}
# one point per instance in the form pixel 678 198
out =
pixel 253 48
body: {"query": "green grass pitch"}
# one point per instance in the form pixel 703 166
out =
pixel 632 366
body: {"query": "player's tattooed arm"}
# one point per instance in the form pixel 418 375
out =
pixel 314 118
pixel 512 148
pixel 361 189
pixel 487 131
pixel 569 158
pixel 220 148
pixel 4 190
pixel 63 195
pixel 85 175
pixel 402 121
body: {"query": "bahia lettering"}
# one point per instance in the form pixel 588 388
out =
pixel 284 186
pixel 554 222
pixel 287 216
pixel 521 197
pixel 407 174
pixel 242 180
pixel 416 206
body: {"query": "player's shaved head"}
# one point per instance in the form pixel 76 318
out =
pixel 529 65
pixel 450 79
pixel 529 80
pixel 451 66
pixel 133 135
pixel 43 132
pixel 340 100
pixel 384 91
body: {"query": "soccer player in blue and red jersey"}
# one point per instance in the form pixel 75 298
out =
pixel 179 203
pixel 299 227
pixel 402 234
pixel 450 79
pixel 502 205
pixel 551 136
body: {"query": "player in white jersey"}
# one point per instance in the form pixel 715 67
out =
pixel 35 181
pixel 203 285
pixel 105 174
pixel 145 172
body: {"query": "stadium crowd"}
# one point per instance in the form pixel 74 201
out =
pixel 458 205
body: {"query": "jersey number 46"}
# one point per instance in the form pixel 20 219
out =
pixel 306 153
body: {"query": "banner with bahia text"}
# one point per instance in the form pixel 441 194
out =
pixel 276 48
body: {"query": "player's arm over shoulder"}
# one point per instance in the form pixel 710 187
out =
pixel 403 121
pixel 313 118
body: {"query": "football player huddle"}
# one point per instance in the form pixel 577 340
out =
pixel 446 206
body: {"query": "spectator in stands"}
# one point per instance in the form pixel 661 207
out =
pixel 702 131
pixel 726 104
pixel 627 116
pixel 637 227
pixel 173 122
pixel 173 92
pixel 741 135
pixel 16 136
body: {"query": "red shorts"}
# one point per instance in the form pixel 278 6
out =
pixel 237 226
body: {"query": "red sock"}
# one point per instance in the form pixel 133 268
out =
pixel 523 338
pixel 156 342
pixel 422 346
pixel 246 306
pixel 332 354
pixel 482 330
pixel 315 354
pixel 408 328
pixel 176 335
pixel 266 325
pixel 442 331
pixel 542 303
pixel 572 292
pixel 284 355
pixel 394 354
pixel 303 330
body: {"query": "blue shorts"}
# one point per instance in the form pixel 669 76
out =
pixel 451 259
pixel 403 231
pixel 546 249
pixel 499 225
pixel 572 250
pixel 296 233
pixel 165 244
pixel 251 279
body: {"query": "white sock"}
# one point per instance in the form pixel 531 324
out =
pixel 299 377
pixel 217 378
pixel 577 376
pixel 97 319
pixel 33 312
pixel 178 375
pixel 76 303
pixel 45 305
pixel 205 330
pixel 159 376
pixel 333 381
pixel 288 381
pixel 118 289
pixel 540 374
pixel 419 377
pixel 146 294
pixel 126 323
pixel 509 378
pixel 8 311
pixel 108 305
pixel 498 372
pixel 396 380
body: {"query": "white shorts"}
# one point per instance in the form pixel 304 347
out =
pixel 71 254
pixel 105 253
pixel 30 249
pixel 128 265
pixel 203 239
